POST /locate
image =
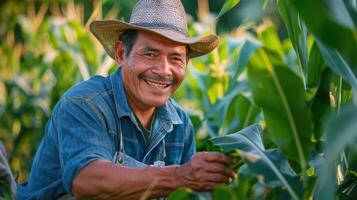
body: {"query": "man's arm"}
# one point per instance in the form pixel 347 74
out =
pixel 103 179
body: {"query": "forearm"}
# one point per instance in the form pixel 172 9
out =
pixel 105 180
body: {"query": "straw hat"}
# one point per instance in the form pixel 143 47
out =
pixel 164 17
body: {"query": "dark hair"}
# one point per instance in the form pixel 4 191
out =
pixel 128 37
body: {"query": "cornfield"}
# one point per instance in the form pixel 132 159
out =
pixel 279 93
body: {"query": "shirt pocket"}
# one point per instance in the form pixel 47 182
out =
pixel 173 153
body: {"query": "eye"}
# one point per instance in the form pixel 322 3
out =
pixel 149 54
pixel 178 60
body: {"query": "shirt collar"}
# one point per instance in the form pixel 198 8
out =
pixel 166 114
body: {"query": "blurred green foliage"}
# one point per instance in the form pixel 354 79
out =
pixel 285 78
pixel 45 49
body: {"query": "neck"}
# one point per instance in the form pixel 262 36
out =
pixel 145 116
pixel 143 112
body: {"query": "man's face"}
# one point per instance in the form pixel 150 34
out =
pixel 153 70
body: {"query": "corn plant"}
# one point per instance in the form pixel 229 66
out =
pixel 286 108
pixel 53 54
pixel 307 106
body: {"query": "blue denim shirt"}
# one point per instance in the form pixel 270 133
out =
pixel 90 122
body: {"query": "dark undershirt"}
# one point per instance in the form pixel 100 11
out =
pixel 144 130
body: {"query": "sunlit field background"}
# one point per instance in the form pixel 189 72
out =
pixel 284 77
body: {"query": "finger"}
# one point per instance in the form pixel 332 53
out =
pixel 218 157
pixel 218 178
pixel 222 169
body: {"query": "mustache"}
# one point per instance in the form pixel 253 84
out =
pixel 158 78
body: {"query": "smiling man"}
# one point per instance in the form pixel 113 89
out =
pixel 122 136
pixel 151 71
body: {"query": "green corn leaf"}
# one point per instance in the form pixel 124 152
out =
pixel 183 194
pixel 223 193
pixel 266 3
pixel 270 166
pixel 234 154
pixel 6 193
pixel 246 49
pixel 315 66
pixel 351 8
pixel 269 36
pixel 229 4
pixel 195 81
pixel 280 93
pixel 340 131
pixel 238 113
pixel 338 64
pixel 332 23
pixel 297 31
pixel 320 104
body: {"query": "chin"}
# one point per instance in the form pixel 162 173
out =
pixel 157 103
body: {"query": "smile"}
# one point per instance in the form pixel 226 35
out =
pixel 156 84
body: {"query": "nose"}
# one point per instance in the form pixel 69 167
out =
pixel 162 67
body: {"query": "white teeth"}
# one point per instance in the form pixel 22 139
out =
pixel 156 85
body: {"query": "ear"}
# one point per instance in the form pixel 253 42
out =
pixel 119 52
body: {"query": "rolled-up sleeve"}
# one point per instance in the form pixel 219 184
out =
pixel 82 137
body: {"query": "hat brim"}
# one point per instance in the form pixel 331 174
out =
pixel 108 32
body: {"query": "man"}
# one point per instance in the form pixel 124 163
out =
pixel 122 137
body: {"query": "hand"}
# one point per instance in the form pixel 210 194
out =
pixel 206 170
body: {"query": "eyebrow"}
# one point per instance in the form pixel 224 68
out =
pixel 152 49
pixel 179 54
